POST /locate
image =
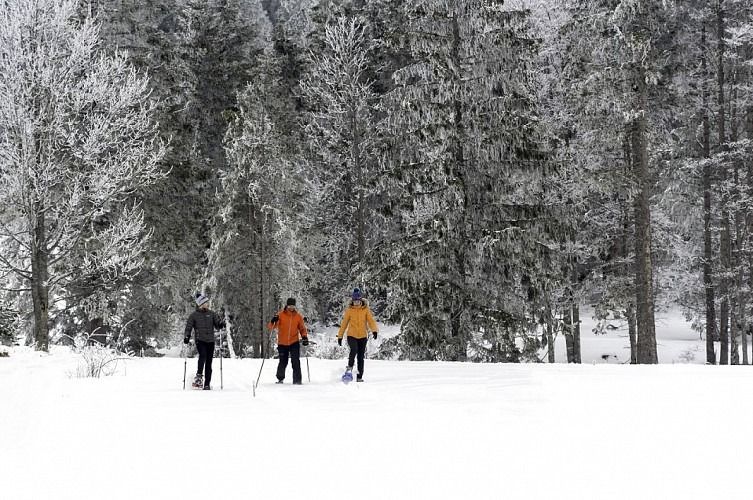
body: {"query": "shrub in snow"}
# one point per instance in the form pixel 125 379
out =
pixel 329 350
pixel 688 355
pixel 96 358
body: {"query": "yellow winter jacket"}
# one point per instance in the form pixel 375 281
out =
pixel 355 321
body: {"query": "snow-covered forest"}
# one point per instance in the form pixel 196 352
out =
pixel 480 169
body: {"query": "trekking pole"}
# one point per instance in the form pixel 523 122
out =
pixel 185 362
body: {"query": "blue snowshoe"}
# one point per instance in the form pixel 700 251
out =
pixel 348 375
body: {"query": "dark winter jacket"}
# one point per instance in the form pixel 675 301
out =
pixel 203 323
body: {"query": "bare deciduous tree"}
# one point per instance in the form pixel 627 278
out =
pixel 76 142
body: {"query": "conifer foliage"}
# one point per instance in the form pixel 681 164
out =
pixel 464 170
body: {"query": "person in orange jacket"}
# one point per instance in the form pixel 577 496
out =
pixel 357 322
pixel 289 324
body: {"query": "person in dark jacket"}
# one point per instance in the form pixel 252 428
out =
pixel 289 324
pixel 203 323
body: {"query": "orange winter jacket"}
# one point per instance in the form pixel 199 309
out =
pixel 290 324
pixel 355 321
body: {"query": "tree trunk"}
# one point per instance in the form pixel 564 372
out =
pixel 733 332
pixel 748 221
pixel 550 340
pixel 359 180
pixel 643 266
pixel 576 334
pixel 737 323
pixel 632 335
pixel 228 337
pixel 40 283
pixel 725 235
pixel 708 282
pixel 459 330
pixel 258 346
pixel 567 328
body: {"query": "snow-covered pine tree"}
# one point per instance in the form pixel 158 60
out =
pixel 592 149
pixel 466 174
pixel 256 256
pixel 198 54
pixel 157 38
pixel 342 151
pixel 77 140
pixel 704 186
pixel 612 67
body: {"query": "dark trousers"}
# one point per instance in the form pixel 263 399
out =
pixel 357 348
pixel 294 353
pixel 206 352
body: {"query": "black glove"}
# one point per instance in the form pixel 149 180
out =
pixel 186 340
pixel 275 319
pixel 340 342
pixel 374 335
pixel 305 341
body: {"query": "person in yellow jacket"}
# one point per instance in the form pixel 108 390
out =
pixel 289 324
pixel 357 322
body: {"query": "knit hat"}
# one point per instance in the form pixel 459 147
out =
pixel 201 299
pixel 356 294
pixel 290 302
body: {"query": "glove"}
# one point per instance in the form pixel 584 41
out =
pixel 275 319
pixel 374 335
pixel 186 340
pixel 305 341
pixel 340 342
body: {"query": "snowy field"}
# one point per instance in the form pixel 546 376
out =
pixel 601 430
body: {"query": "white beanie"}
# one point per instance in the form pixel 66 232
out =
pixel 201 299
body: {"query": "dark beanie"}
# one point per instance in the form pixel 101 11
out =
pixel 290 302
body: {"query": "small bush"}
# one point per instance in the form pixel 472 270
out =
pixel 96 359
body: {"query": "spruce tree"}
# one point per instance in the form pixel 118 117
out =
pixel 466 173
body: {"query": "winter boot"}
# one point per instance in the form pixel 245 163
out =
pixel 359 378
pixel 207 388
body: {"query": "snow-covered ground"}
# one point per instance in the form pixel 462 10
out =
pixel 412 430
pixel 676 342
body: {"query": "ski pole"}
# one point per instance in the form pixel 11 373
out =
pixel 259 376
pixel 308 371
pixel 185 361
pixel 221 356
pixel 263 358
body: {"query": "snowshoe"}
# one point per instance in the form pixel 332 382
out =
pixel 348 375
pixel 198 382
pixel 207 388
pixel 359 378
